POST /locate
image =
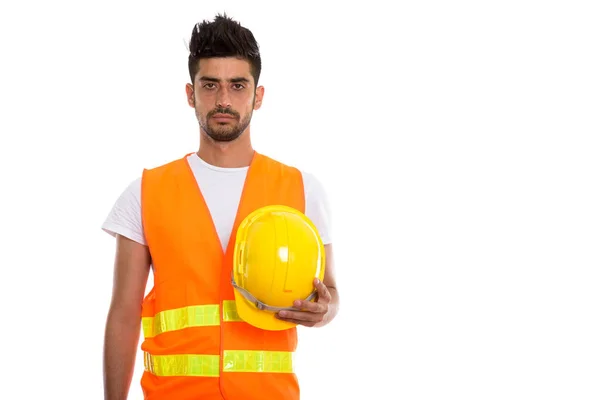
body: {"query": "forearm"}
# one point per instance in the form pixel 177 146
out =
pixel 332 308
pixel 120 346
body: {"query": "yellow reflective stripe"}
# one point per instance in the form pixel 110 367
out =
pixel 180 318
pixel 230 313
pixel 147 325
pixel 257 361
pixel 191 316
pixel 208 365
pixel 182 365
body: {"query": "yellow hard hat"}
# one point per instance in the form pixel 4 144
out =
pixel 278 254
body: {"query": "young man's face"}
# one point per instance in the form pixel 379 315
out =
pixel 224 97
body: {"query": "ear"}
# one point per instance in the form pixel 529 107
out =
pixel 260 92
pixel 189 90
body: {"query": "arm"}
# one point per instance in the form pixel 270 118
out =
pixel 132 265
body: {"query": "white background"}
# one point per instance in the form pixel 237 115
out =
pixel 458 142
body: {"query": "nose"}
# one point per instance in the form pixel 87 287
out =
pixel 223 98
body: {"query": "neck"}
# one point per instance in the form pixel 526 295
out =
pixel 235 154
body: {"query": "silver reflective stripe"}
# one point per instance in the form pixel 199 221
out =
pixel 262 306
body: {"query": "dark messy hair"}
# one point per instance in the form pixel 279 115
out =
pixel 223 37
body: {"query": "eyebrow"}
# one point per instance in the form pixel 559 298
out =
pixel 232 80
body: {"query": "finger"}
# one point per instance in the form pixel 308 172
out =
pixel 299 315
pixel 324 295
pixel 309 306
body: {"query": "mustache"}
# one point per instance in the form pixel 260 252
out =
pixel 223 111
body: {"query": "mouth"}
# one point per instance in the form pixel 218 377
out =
pixel 223 117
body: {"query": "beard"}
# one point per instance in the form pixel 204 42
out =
pixel 224 132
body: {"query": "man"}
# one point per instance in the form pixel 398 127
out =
pixel 180 218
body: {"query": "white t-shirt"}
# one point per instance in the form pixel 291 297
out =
pixel 222 189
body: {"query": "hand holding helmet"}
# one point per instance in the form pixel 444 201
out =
pixel 278 259
pixel 309 313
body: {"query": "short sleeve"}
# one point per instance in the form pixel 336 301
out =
pixel 125 217
pixel 317 206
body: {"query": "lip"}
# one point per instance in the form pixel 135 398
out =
pixel 222 116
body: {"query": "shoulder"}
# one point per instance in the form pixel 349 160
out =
pixel 164 168
pixel 313 186
pixel 124 218
pixel 167 165
pixel 131 194
pixel 276 164
pixel 317 205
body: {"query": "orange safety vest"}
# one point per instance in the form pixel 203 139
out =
pixel 195 345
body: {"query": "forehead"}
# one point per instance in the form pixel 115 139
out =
pixel 224 68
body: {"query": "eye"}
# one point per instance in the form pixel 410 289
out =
pixel 209 86
pixel 238 86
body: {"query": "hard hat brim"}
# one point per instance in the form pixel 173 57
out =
pixel 261 319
